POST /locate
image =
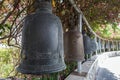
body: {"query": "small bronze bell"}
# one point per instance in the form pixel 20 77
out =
pixel 90 45
pixel 73 45
pixel 42 42
pixel 93 45
pixel 87 44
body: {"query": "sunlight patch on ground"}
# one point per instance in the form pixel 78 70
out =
pixel 112 64
pixel 109 69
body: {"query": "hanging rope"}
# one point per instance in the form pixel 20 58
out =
pixel 85 20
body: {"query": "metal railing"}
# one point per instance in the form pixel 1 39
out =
pixel 104 45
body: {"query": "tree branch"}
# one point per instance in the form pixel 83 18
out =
pixel 1 3
pixel 6 36
pixel 10 13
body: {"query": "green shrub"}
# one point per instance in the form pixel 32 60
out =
pixel 8 60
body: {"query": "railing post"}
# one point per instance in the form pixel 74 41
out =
pixel 106 45
pixel 113 45
pixel 80 22
pixel 79 63
pixel 100 45
pixel 117 45
pixel 79 66
pixel 109 46
pixel 103 45
pixel 91 56
pixel 96 53
pixel 87 56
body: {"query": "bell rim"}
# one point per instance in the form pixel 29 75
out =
pixel 24 71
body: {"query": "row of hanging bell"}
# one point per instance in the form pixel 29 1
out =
pixel 90 45
pixel 42 42
pixel 73 45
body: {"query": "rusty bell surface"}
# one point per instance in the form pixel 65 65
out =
pixel 42 43
pixel 73 46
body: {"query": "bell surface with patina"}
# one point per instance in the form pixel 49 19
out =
pixel 87 44
pixel 42 43
pixel 73 46
pixel 90 45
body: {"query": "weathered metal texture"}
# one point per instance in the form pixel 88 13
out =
pixel 73 46
pixel 42 43
pixel 90 45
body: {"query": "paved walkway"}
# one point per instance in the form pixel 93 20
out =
pixel 110 69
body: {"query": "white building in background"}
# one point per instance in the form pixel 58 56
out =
pixel 3 46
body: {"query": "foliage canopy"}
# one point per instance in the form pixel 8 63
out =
pixel 98 13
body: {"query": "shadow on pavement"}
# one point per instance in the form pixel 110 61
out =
pixel 105 74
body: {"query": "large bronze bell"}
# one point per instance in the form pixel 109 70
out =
pixel 73 45
pixel 42 43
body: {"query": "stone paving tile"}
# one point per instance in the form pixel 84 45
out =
pixel 85 68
